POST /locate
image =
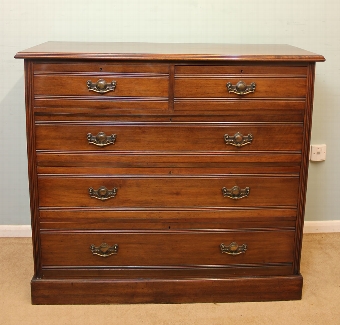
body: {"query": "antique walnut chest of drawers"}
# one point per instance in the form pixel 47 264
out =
pixel 167 173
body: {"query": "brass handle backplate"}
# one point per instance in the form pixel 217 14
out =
pixel 238 139
pixel 235 192
pixel 241 88
pixel 104 250
pixel 101 139
pixel 101 86
pixel 103 193
pixel 233 249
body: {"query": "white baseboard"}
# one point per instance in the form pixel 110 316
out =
pixel 15 231
pixel 321 226
pixel 309 227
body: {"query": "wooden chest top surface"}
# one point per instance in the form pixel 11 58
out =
pixel 169 51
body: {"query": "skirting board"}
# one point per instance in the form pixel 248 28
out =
pixel 309 227
pixel 15 231
pixel 321 226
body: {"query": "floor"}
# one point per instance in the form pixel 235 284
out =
pixel 320 267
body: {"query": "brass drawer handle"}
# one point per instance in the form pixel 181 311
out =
pixel 233 249
pixel 101 86
pixel 104 250
pixel 235 192
pixel 101 139
pixel 103 193
pixel 241 88
pixel 238 139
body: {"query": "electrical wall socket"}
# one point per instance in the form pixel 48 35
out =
pixel 317 152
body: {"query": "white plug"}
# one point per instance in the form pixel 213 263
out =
pixel 317 152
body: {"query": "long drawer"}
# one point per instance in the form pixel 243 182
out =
pixel 166 248
pixel 168 136
pixel 167 191
pixel 166 219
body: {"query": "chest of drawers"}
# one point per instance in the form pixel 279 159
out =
pixel 167 173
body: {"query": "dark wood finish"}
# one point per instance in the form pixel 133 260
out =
pixel 171 248
pixel 272 70
pixel 102 69
pixel 216 87
pixel 185 290
pixel 170 160
pixel 32 168
pixel 169 110
pixel 51 85
pixel 101 105
pixel 165 219
pixel 169 136
pixel 169 52
pixel 171 191
pixel 304 168
pixel 171 272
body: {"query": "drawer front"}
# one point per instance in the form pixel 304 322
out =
pixel 168 137
pixel 130 86
pixel 216 87
pixel 271 81
pixel 166 248
pixel 166 219
pixel 227 162
pixel 144 191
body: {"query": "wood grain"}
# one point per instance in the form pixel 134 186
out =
pixel 171 51
pixel 190 191
pixel 170 111
pixel 51 85
pixel 170 247
pixel 169 136
pixel 216 87
pixel 87 291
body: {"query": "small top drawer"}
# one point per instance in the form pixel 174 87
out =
pixel 240 81
pixel 101 85
pixel 98 79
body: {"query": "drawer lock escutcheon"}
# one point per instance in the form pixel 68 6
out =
pixel 101 139
pixel 238 139
pixel 241 88
pixel 233 249
pixel 103 193
pixel 235 192
pixel 101 86
pixel 104 250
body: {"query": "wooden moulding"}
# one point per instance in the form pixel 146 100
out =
pixel 91 291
